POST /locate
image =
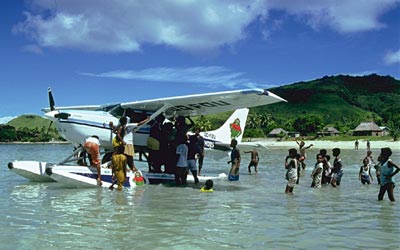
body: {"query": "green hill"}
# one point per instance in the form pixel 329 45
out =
pixel 30 122
pixel 29 128
pixel 340 101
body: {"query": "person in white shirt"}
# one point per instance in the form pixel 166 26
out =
pixel 128 138
pixel 182 164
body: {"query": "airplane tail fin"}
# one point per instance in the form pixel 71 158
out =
pixel 233 128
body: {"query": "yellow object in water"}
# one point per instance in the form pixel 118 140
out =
pixel 204 190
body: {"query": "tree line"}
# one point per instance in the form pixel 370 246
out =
pixel 9 133
pixel 257 125
pixel 260 124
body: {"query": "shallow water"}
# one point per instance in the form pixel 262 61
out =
pixel 253 213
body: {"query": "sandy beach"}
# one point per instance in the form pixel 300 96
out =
pixel 394 145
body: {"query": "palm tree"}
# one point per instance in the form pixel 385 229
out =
pixel 265 119
pixel 254 121
pixel 394 130
pixel 203 123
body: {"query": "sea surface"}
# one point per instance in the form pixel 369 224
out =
pixel 252 213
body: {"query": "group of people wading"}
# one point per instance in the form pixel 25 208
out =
pixel 325 173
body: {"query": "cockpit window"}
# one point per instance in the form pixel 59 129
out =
pixel 117 111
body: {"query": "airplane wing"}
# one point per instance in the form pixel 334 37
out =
pixel 188 105
pixel 105 107
pixel 204 104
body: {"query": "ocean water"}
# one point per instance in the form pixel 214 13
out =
pixel 252 213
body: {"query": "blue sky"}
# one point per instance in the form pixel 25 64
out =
pixel 97 52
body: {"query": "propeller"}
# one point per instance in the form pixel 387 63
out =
pixel 52 106
pixel 51 100
pixel 59 115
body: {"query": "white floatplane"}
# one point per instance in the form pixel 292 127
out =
pixel 81 177
pixel 76 123
pixel 85 176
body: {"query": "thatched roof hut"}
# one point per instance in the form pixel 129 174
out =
pixel 277 132
pixel 329 131
pixel 367 129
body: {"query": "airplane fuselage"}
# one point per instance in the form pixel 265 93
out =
pixel 77 125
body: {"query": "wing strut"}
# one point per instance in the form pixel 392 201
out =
pixel 154 115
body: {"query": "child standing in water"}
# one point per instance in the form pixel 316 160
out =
pixel 118 166
pixel 235 161
pixel 254 160
pixel 370 158
pixel 181 165
pixel 337 171
pixel 365 173
pixel 316 174
pixel 387 172
pixel 291 164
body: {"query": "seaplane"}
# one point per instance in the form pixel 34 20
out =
pixel 76 123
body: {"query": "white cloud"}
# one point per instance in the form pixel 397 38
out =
pixel 213 76
pixel 123 26
pixel 342 15
pixel 392 57
pixel 4 120
pixel 188 25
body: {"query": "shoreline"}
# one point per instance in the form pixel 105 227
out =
pixel 374 145
pixel 266 142
pixel 45 142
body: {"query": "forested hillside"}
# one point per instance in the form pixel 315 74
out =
pixel 339 101
pixel 28 128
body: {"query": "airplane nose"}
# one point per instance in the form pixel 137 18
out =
pixel 51 115
pixel 10 165
pixel 54 115
pixel 62 115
